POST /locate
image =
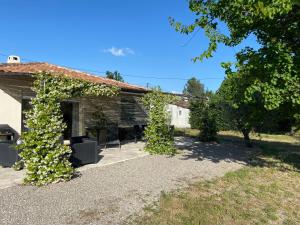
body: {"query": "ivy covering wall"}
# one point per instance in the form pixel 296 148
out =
pixel 45 156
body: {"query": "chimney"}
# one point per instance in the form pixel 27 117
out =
pixel 13 59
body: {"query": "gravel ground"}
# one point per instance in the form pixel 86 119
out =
pixel 109 195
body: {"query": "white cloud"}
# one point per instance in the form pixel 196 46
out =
pixel 119 51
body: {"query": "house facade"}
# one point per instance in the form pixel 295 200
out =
pixel 180 113
pixel 80 115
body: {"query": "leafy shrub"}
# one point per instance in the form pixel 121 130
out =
pixel 208 125
pixel 203 116
pixel 196 111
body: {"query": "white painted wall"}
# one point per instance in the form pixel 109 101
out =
pixel 179 116
pixel 11 110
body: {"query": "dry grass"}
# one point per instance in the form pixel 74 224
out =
pixel 186 132
pixel 235 134
pixel 265 192
pixel 263 137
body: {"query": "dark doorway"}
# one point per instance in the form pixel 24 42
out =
pixel 67 110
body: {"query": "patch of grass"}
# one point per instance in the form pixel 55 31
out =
pixel 280 151
pixel 262 193
pixel 186 132
pixel 249 196
pixel 280 156
pixel 264 137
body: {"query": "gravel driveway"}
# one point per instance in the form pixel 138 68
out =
pixel 109 195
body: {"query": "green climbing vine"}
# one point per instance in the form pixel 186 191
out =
pixel 158 133
pixel 44 155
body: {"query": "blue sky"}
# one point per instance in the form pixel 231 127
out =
pixel 133 37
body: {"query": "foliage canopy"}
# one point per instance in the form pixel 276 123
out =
pixel 114 75
pixel 270 75
pixel 194 88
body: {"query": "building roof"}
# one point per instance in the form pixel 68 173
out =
pixel 183 103
pixel 32 68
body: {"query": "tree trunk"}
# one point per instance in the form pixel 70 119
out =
pixel 247 140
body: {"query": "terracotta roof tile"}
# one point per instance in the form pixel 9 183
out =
pixel 31 68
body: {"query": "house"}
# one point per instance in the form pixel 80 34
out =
pixel 125 110
pixel 180 113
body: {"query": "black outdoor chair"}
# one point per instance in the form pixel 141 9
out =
pixel 8 154
pixel 112 135
pixel 106 136
pixel 84 151
pixel 138 131
pixel 78 139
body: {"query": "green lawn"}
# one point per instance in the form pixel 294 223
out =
pixel 265 192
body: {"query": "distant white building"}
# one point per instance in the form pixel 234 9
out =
pixel 180 114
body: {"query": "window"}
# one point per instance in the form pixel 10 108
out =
pixel 179 112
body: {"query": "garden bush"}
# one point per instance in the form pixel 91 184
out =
pixel 208 125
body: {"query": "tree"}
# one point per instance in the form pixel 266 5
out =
pixel 273 71
pixel 114 75
pixel 158 133
pixel 235 113
pixel 194 88
pixel 199 100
